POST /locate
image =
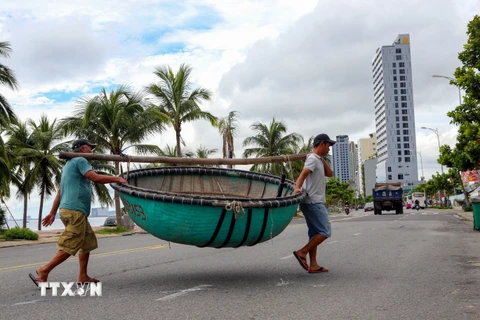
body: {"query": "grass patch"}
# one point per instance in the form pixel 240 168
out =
pixel 112 230
pixel 20 233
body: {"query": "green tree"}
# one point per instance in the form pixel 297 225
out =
pixel 116 121
pixel 7 116
pixel 228 127
pixel 338 192
pixel 270 141
pixel 7 78
pixel 178 101
pixel 203 152
pixel 466 153
pixel 45 170
pixel 21 139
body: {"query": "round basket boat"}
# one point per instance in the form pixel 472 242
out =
pixel 209 207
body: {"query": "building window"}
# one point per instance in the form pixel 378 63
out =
pixel 399 57
pixel 399 139
pixel 404 98
pixel 394 65
pixel 399 160
pixel 398 124
pixel 396 98
pixel 401 64
pixel 404 111
pixel 407 152
pixel 395 91
pixel 397 112
pixel 403 91
pixel 407 159
pixel 394 71
pixel 402 71
pixel 403 85
pixel 395 78
pixel 399 146
pixel 402 78
pixel 406 139
pixel 399 152
pixel 400 176
pixel 404 118
pixel 395 85
pixel 389 177
pixel 398 132
pixel 396 105
pixel 389 169
pixel 404 104
pixel 405 125
pixel 398 50
pixel 406 145
pixel 405 132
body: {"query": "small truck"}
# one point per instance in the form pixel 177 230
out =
pixel 388 196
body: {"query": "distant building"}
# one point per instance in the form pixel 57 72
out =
pixel 341 159
pixel 369 169
pixel 99 212
pixel 394 113
pixel 367 149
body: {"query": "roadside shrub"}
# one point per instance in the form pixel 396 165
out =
pixel 20 233
pixel 468 208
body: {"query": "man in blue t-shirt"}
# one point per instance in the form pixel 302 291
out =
pixel 312 181
pixel 74 198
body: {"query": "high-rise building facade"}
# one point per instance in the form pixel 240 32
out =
pixel 367 150
pixel 341 159
pixel 394 113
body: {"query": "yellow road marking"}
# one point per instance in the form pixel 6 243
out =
pixel 104 254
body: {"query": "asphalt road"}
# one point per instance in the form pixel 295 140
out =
pixel 419 265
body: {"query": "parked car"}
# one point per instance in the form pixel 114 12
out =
pixel 368 206
pixel 408 205
pixel 110 222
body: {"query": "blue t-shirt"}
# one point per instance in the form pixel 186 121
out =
pixel 75 193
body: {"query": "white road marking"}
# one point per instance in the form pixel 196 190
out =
pixel 435 213
pixel 287 257
pixel 329 242
pixel 184 292
pixel 282 283
pixel 424 213
pixel 356 234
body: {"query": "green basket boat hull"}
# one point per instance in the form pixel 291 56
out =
pixel 206 226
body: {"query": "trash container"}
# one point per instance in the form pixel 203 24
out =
pixel 476 213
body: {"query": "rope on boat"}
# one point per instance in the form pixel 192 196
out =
pixel 236 206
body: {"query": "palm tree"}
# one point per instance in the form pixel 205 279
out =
pixel 116 121
pixel 7 77
pixel 7 116
pixel 270 141
pixel 20 138
pixel 178 101
pixel 228 129
pixel 45 171
pixel 203 152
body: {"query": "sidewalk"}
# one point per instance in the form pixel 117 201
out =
pixel 51 236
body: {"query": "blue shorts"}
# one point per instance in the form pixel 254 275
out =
pixel 316 215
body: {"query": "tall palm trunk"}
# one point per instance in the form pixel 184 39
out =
pixel 116 196
pixel 178 136
pixel 40 211
pixel 25 202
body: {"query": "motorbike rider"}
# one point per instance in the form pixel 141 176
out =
pixel 417 204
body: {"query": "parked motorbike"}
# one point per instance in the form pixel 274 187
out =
pixel 347 210
pixel 417 207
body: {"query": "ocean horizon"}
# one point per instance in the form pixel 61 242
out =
pixel 32 224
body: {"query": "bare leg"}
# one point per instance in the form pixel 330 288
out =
pixel 60 257
pixel 83 275
pixel 311 249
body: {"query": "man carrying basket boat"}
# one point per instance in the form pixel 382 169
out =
pixel 74 199
pixel 312 182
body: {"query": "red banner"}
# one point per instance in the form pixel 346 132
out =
pixel 469 176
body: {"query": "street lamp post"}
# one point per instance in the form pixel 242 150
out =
pixel 451 79
pixel 441 166
pixel 423 175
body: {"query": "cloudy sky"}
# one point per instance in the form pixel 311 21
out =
pixel 306 62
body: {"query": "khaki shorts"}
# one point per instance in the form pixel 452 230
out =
pixel 78 235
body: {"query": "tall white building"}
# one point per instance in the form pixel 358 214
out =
pixel 394 113
pixel 342 159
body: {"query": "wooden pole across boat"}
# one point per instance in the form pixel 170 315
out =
pixel 190 161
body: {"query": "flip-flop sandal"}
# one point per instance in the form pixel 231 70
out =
pixel 34 279
pixel 319 270
pixel 301 260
